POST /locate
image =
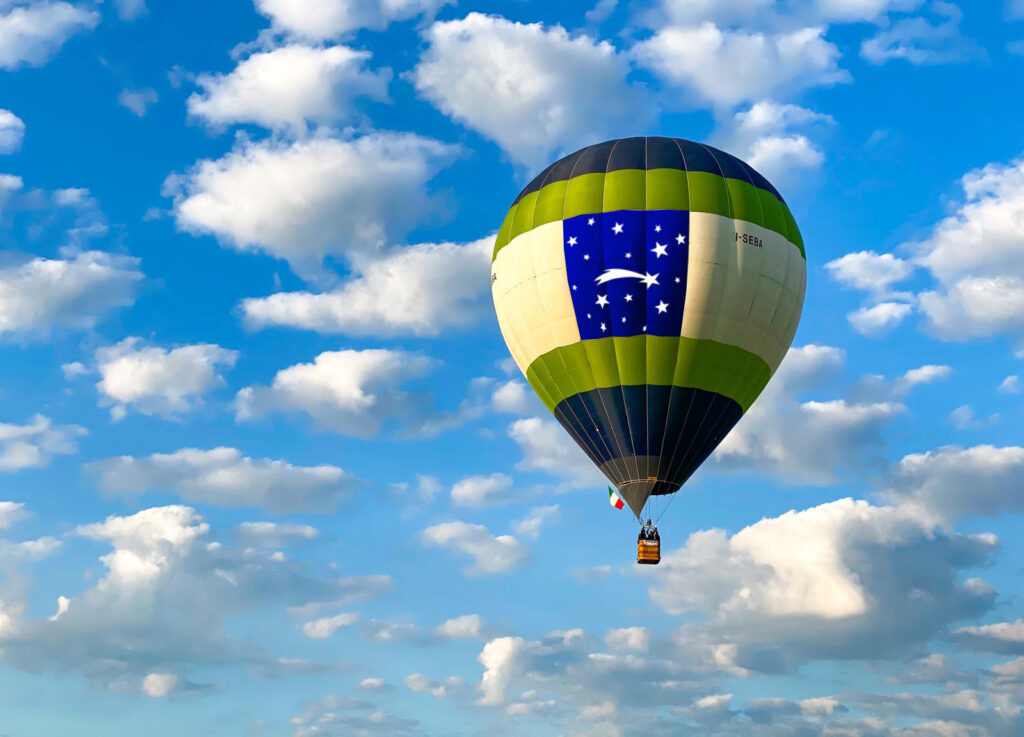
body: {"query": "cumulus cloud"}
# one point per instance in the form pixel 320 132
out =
pixel 1011 385
pixel 31 34
pixel 841 580
pixel 547 447
pixel 1001 637
pixel 316 197
pixel 535 519
pixel 870 271
pixel 952 483
pixel 286 87
pixel 491 554
pixel 879 319
pixel 483 491
pixel 138 101
pixel 320 20
pixel 450 687
pixel 158 381
pixel 513 397
pixel 335 716
pixel 920 41
pixel 73 292
pixel 160 606
pixel 321 629
pixel 466 627
pixel 806 441
pixel 349 392
pixel 417 290
pixel 33 445
pixel 728 67
pixel 12 132
pixel 530 88
pixel 224 477
pixel 775 139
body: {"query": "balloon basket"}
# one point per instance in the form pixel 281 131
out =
pixel 648 552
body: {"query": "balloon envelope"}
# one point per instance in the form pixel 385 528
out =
pixel 648 288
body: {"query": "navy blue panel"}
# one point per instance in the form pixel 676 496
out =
pixel 628 153
pixel 664 153
pixel 730 165
pixel 628 424
pixel 648 153
pixel 697 157
pixel 627 271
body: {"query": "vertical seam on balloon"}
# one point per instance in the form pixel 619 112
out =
pixel 615 345
pixel 760 273
pixel 675 363
pixel 725 406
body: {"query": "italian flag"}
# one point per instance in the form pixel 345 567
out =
pixel 614 499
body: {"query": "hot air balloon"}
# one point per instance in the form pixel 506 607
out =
pixel 648 289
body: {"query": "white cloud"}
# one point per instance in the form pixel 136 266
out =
pixel 451 687
pixel 11 513
pixel 774 139
pixel 843 580
pixel 130 9
pixel 319 20
pixel 806 441
pixel 158 381
pixel 340 717
pixel 483 491
pixel 547 447
pixel 303 201
pixel 162 602
pixel 224 477
pixel 1001 637
pixel 530 525
pixel 513 397
pixel 466 627
pixel 879 319
pixel 965 418
pixel 34 445
pixel 637 639
pixel 491 555
pixel 31 34
pixel 870 271
pixel 918 41
pixel 951 482
pixel 769 12
pixel 532 89
pixel 138 101
pixel 287 86
pixel 12 132
pixel 350 392
pixel 728 67
pixel 159 685
pixel 418 290
pixel 1011 385
pixel 73 292
pixel 321 629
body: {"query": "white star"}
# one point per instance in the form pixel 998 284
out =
pixel 629 255
pixel 680 239
pixel 602 300
pixel 574 286
pixel 590 222
pixel 657 228
pixel 659 250
pixel 650 280
pixel 572 241
pixel 603 328
pixel 588 315
pixel 645 328
pixel 662 307
pixel 629 297
pixel 677 281
pixel 617 228
pixel 623 319
pixel 586 257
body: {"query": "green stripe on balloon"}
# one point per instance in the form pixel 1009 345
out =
pixel 648 359
pixel 652 189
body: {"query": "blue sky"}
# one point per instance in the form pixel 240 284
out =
pixel 267 469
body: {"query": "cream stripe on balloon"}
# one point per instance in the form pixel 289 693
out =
pixel 739 293
pixel 531 294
